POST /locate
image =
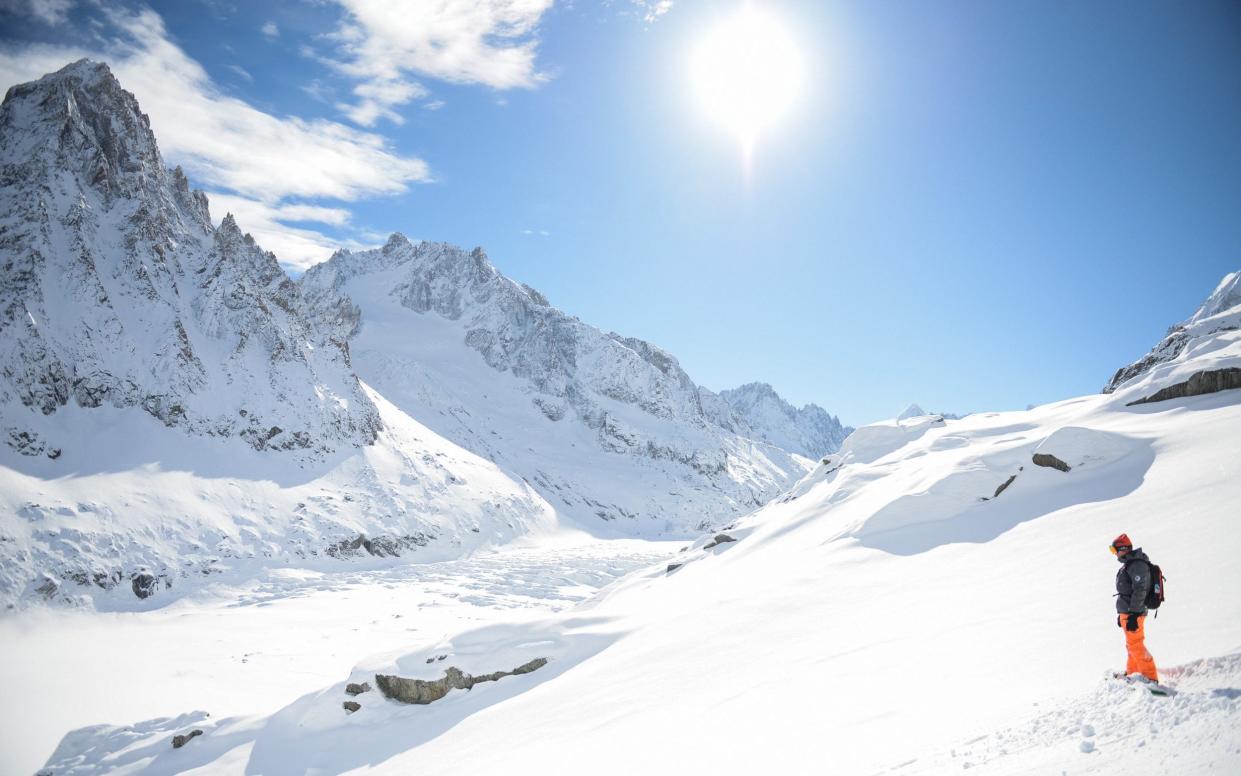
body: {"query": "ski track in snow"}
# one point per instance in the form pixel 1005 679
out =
pixel 250 648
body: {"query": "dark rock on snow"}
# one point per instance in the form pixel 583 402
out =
pixel 143 584
pixel 1051 461
pixel 179 741
pixel 422 691
pixel 718 540
pixel 351 706
pixel 357 689
pixel 1004 487
pixel 1200 383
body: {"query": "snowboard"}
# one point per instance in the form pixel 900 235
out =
pixel 1155 688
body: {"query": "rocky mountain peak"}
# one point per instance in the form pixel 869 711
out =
pixel 1219 313
pixel 809 431
pixel 117 291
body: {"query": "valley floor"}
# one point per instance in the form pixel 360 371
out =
pixel 256 647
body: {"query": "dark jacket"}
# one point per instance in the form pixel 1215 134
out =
pixel 1132 582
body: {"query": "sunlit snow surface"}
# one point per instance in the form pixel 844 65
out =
pixel 255 646
pixel 894 616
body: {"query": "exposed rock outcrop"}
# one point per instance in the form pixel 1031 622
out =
pixel 422 691
pixel 181 740
pixel 1004 486
pixel 1198 384
pixel 717 540
pixel 1050 461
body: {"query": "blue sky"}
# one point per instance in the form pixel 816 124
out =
pixel 971 205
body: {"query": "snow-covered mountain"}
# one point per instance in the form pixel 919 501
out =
pixel 1204 331
pixel 809 431
pixel 117 291
pixel 607 428
pixel 937 599
pixel 167 408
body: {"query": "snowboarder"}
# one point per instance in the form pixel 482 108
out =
pixel 1132 583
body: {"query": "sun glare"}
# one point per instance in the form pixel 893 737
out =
pixel 747 73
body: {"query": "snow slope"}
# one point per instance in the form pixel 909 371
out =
pixel 902 613
pixel 609 429
pixel 162 515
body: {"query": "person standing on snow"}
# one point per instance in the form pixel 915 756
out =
pixel 1132 583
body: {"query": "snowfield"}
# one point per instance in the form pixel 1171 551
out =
pixel 895 616
pixel 255 645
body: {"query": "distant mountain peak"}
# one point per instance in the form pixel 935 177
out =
pixel 809 431
pixel 912 411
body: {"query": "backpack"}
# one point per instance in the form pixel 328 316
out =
pixel 1154 593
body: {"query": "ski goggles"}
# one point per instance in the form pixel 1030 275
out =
pixel 1115 551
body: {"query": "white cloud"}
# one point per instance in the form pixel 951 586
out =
pixel 298 248
pixel 270 31
pixel 387 43
pixel 653 9
pixel 224 143
pixel 51 12
pixel 242 72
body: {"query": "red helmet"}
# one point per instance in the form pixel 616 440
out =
pixel 1121 542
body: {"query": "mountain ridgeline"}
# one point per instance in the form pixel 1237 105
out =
pixel 174 401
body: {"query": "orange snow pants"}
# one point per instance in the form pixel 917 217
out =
pixel 1140 660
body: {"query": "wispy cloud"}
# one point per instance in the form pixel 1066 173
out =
pixel 51 12
pixel 388 45
pixel 227 145
pixel 651 10
pixel 270 31
pixel 242 73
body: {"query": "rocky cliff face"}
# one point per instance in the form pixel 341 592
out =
pixel 605 426
pixel 809 431
pixel 115 289
pixel 1219 314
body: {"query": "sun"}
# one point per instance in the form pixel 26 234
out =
pixel 747 73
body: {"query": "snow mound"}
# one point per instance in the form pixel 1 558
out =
pixel 975 491
pixel 870 443
pixel 1117 728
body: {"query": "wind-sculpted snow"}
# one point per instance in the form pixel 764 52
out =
pixel 605 427
pixel 115 290
pixel 809 431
